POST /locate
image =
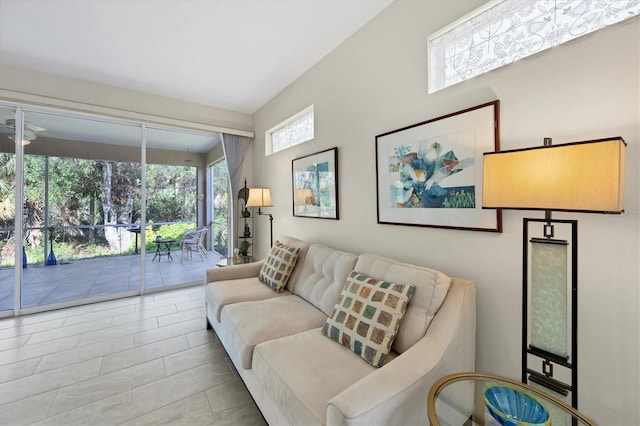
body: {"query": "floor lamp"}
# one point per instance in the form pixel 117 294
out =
pixel 261 197
pixel 583 177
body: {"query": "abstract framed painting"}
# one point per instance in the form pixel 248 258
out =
pixel 315 185
pixel 430 173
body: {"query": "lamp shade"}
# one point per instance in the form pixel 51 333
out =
pixel 581 176
pixel 259 197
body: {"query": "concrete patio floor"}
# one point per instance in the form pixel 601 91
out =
pixel 90 278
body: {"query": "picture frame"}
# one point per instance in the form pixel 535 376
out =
pixel 315 185
pixel 430 173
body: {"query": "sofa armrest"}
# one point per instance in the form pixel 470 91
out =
pixel 245 270
pixel 397 392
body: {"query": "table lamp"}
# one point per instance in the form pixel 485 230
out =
pixel 303 197
pixel 575 177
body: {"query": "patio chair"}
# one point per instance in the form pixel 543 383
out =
pixel 193 241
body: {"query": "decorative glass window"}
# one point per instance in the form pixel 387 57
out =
pixel 503 31
pixel 293 131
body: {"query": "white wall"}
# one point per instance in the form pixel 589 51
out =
pixel 588 89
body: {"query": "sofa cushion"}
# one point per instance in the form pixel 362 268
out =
pixel 247 324
pixel 277 268
pixel 431 289
pixel 322 276
pixel 221 293
pixel 302 372
pixel 368 315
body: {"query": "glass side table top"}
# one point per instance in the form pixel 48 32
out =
pixel 459 399
pixel 229 261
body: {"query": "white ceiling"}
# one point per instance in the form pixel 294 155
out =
pixel 228 54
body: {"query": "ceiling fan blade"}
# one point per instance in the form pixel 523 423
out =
pixel 11 123
pixel 34 128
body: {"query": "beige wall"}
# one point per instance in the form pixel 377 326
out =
pixel 587 89
pixel 36 87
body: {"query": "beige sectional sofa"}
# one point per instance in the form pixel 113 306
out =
pixel 299 376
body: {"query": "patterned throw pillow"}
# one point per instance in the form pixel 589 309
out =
pixel 367 316
pixel 276 270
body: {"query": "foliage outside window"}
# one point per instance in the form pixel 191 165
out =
pixel 220 175
pixel 293 131
pixel 503 31
pixel 92 204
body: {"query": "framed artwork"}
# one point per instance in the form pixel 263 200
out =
pixel 315 185
pixel 430 173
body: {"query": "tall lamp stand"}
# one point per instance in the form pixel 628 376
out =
pixel 261 197
pixel 547 262
pixel 270 224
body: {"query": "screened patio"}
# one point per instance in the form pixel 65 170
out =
pixel 95 278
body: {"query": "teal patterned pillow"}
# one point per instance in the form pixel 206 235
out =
pixel 367 316
pixel 277 268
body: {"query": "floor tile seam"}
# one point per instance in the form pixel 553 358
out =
pixel 18 336
pixel 119 370
pixel 138 319
pixel 199 296
pixel 45 314
pixel 131 299
pixel 148 360
pixel 76 382
pixel 162 339
pixel 70 335
pixel 41 355
pixel 133 419
pixel 31 396
pixel 33 373
pixel 64 366
pixel 130 390
pixel 21 377
pixel 182 312
pixel 223 383
pixel 132 333
pixel 28 332
pixel 79 407
pixel 201 344
pixel 51 404
pixel 99 317
pixel 57 388
pixel 8 320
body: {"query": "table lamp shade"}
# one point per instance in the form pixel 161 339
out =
pixel 259 197
pixel 581 176
pixel 303 196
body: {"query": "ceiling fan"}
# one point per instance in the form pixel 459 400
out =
pixel 29 133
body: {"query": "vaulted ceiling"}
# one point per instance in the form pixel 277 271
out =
pixel 229 54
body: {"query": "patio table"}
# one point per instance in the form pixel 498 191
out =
pixel 163 247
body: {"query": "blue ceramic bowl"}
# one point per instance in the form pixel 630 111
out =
pixel 511 407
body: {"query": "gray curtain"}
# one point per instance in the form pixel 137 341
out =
pixel 235 148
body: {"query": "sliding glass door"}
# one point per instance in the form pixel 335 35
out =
pixel 7 209
pixel 81 191
pixel 103 206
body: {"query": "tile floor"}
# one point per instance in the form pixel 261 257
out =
pixel 145 360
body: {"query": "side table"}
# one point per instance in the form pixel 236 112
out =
pixel 228 261
pixel 459 399
pixel 163 247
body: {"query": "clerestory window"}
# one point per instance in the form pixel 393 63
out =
pixel 503 31
pixel 293 131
